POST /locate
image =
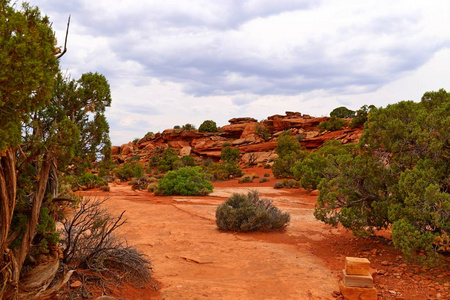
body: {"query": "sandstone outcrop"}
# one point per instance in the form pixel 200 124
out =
pixel 242 133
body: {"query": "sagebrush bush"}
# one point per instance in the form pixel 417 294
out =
pixel 188 181
pixel 250 213
pixel 264 179
pixel 332 124
pixel 129 171
pixel 286 183
pixel 86 181
pixel 245 179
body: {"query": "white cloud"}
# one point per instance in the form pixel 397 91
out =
pixel 173 62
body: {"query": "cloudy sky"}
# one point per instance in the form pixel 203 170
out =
pixel 172 62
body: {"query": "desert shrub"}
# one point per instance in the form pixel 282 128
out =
pixel 278 185
pixel 141 183
pixel 134 158
pixel 105 188
pixel 188 161
pixel 245 179
pixel 249 213
pixel 86 181
pixel 229 168
pixel 287 184
pixel 266 175
pixel 207 162
pixel 342 112
pixel 262 132
pixel 289 151
pixel 176 127
pixel 187 181
pixel 129 171
pixel 208 126
pixel 312 168
pixel 264 179
pixel 229 154
pixel 148 134
pixel 332 124
pixel 152 187
pixel 169 160
pixel 188 127
pixel 135 141
pixel 89 241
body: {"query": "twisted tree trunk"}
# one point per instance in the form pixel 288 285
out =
pixel 9 271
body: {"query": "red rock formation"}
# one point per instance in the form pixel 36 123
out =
pixel 241 133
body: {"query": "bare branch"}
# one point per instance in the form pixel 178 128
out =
pixel 65 41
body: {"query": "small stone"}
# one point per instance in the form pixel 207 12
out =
pixel 438 296
pixel 392 292
pixel 381 272
pixel 385 263
pixel 335 294
pixel 76 284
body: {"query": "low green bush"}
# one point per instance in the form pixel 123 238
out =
pixel 249 213
pixel 332 124
pixel 86 181
pixel 129 171
pixel 188 181
pixel 245 179
pixel 208 126
pixel 264 179
pixel 286 183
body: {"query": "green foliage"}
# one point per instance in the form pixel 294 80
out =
pixel 229 167
pixel 311 169
pixel 249 213
pixel 286 183
pixel 362 115
pixel 289 151
pixel 148 134
pixel 46 235
pixel 188 181
pixel 142 183
pixel 342 112
pixel 87 181
pixel 264 179
pixel 398 176
pixel 245 179
pixel 230 155
pixel 188 161
pixel 332 124
pixel 208 126
pixel 169 160
pixel 188 127
pixel 129 171
pixel 262 132
pixel 28 68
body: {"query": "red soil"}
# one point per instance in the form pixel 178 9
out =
pixel 193 260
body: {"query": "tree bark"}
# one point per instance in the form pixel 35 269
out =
pixel 35 211
pixel 9 272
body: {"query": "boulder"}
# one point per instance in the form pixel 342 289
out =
pixel 250 129
pixel 185 151
pixel 242 120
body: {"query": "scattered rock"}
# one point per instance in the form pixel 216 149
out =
pixel 76 284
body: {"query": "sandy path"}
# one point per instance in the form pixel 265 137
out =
pixel 193 260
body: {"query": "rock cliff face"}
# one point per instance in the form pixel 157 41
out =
pixel 255 140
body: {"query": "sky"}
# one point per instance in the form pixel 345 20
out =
pixel 174 62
